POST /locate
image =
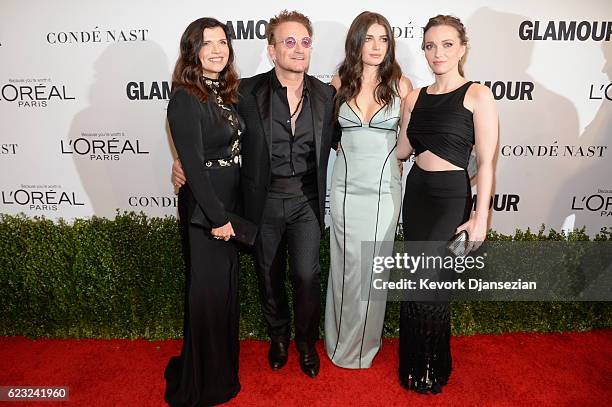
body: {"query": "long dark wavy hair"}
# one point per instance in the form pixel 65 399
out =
pixel 188 68
pixel 351 68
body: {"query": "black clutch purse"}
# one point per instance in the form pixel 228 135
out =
pixel 246 231
pixel 458 244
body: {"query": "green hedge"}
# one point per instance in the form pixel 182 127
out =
pixel 123 278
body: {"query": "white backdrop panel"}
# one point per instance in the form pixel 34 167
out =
pixel 83 93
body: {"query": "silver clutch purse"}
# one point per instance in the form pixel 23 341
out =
pixel 458 244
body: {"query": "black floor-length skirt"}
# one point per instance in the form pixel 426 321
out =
pixel 206 372
pixel 435 204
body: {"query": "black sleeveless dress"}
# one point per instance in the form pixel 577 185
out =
pixel 206 372
pixel 435 204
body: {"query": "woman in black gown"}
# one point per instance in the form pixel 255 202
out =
pixel 446 119
pixel 206 133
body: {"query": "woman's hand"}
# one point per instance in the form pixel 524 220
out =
pixel 178 176
pixel 476 230
pixel 400 163
pixel 224 232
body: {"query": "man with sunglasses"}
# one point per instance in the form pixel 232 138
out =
pixel 289 118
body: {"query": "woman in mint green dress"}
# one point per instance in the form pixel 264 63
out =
pixel 365 188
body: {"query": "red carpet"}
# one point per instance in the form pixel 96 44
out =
pixel 570 369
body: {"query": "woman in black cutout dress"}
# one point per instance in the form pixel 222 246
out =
pixel 437 198
pixel 206 133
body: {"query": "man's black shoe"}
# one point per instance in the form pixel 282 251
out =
pixel 309 362
pixel 277 355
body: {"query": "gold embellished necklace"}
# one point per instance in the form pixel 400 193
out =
pixel 227 112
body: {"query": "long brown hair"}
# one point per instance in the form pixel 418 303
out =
pixel 351 68
pixel 451 21
pixel 188 69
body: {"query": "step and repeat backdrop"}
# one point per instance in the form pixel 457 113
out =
pixel 84 88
